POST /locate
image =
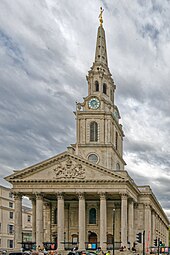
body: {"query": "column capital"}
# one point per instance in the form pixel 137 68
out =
pixel 123 195
pixel 81 195
pixel 147 206
pixel 32 198
pixel 60 195
pixel 17 195
pixel 39 195
pixel 136 205
pixel 131 200
pixel 102 195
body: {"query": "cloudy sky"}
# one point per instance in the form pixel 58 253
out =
pixel 46 50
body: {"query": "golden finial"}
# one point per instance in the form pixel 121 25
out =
pixel 100 16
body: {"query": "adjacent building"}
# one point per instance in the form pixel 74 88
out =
pixel 84 196
pixel 7 223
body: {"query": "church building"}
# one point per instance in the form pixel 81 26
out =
pixel 84 197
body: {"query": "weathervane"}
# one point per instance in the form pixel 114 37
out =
pixel 100 16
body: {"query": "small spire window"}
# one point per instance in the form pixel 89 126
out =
pixel 104 88
pixel 117 166
pixel 93 132
pixel 96 86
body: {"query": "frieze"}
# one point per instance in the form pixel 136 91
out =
pixel 69 169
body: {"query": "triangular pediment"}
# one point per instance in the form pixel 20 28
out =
pixel 65 167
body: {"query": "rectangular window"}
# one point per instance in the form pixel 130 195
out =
pixel 10 243
pixel 10 195
pixel 10 204
pixel 11 215
pixel 10 229
pixel 29 218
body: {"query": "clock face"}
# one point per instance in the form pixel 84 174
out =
pixel 94 103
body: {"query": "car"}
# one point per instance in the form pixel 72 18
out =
pixel 17 253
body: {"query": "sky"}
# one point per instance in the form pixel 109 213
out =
pixel 46 50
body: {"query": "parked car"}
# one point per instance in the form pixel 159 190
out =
pixel 17 253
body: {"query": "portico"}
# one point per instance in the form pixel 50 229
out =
pixel 68 210
pixel 66 225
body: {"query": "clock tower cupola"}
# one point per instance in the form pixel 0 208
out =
pixel 99 134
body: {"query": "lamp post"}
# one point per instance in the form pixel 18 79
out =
pixel 113 239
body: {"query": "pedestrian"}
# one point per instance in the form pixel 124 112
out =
pixel 108 253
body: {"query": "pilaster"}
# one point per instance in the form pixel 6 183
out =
pixel 147 226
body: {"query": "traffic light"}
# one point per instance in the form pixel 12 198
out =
pixel 139 237
pixel 160 243
pixel 155 242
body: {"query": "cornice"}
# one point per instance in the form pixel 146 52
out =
pixel 67 181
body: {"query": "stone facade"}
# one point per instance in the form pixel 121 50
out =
pixel 7 215
pixel 84 196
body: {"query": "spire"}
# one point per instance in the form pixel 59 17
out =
pixel 101 54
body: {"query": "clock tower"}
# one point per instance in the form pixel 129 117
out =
pixel 99 134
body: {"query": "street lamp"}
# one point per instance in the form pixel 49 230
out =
pixel 113 239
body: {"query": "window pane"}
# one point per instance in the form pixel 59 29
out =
pixel 93 158
pixel 11 215
pixel 92 216
pixel 104 88
pixel 93 132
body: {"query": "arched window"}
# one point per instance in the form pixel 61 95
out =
pixel 92 216
pixel 104 88
pixel 117 166
pixel 96 86
pixel 93 132
pixel 55 216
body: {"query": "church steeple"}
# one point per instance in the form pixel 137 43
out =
pixel 99 134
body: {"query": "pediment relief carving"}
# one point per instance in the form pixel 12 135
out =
pixel 69 169
pixel 65 168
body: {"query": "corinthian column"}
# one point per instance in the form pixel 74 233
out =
pixel 18 220
pixel 124 219
pixel 131 222
pixel 103 221
pixel 81 222
pixel 33 219
pixel 60 221
pixel 39 220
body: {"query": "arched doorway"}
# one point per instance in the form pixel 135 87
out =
pixel 92 240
